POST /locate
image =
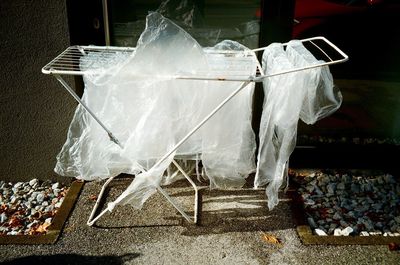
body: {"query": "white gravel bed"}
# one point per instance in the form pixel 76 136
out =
pixel 28 208
pixel 346 204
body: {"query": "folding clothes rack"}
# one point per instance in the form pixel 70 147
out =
pixel 67 63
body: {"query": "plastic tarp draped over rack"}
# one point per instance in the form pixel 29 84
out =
pixel 309 95
pixel 149 111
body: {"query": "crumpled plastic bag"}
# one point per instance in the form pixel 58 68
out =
pixel 139 99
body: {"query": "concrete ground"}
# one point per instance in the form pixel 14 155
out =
pixel 232 225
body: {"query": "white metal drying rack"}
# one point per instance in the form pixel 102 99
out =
pixel 68 63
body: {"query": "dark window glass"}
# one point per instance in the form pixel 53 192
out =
pixel 208 21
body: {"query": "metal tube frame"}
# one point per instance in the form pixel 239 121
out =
pixel 92 218
pixel 48 69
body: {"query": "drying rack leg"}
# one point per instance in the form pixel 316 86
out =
pixel 92 220
pixel 178 207
pixel 77 98
pixel 196 192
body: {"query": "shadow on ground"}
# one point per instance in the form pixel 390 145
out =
pixel 220 211
pixel 238 211
pixel 72 259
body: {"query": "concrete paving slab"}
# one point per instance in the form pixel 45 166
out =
pixel 231 229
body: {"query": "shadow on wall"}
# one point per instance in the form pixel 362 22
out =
pixel 71 259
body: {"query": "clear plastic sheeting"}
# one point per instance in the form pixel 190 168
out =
pixel 281 108
pixel 309 95
pixel 138 97
pixel 321 97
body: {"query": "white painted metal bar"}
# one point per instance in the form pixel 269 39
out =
pixel 77 98
pixel 92 220
pixel 196 191
pixel 172 201
pixel 68 62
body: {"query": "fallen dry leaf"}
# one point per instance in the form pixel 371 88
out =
pixel 93 197
pixel 272 239
pixel 394 246
pixel 3 208
pixel 63 193
pixel 42 228
pixel 20 212
pixel 33 233
pixel 51 213
pixel 15 221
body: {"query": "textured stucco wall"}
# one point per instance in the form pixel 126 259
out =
pixel 35 109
